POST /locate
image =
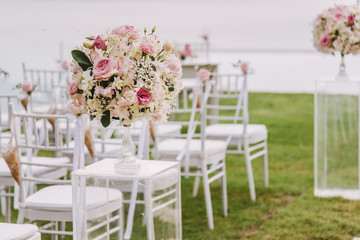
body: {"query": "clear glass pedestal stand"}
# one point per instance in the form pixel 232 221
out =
pixel 336 142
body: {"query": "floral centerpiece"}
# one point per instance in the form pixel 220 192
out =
pixel 124 75
pixel 337 29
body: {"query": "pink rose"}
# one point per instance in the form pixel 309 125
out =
pixel 174 65
pixel 187 51
pixel 244 67
pixel 204 75
pixel 147 48
pixel 126 30
pixel 73 88
pixel 74 108
pixel 64 65
pixel 351 19
pixel 104 69
pixel 27 87
pixel 325 41
pixel 143 96
pixel 99 43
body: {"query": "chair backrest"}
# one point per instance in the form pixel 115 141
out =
pixel 105 137
pixel 5 100
pixel 27 135
pixel 228 102
pixel 198 49
pixel 191 117
pixel 49 84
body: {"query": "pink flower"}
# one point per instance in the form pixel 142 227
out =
pixel 74 108
pixel 73 88
pixel 244 67
pixel 187 51
pixel 27 86
pixel 147 48
pixel 64 65
pixel 204 75
pixel 351 19
pixel 99 43
pixel 168 46
pixel 143 96
pixel 174 65
pixel 126 30
pixel 325 41
pixel 104 69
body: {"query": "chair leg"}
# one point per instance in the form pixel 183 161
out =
pixel 8 207
pixel 249 171
pixel 20 219
pixel 121 224
pixel 63 228
pixel 3 202
pixel 207 195
pixel 266 166
pixel 224 192
pixel 196 184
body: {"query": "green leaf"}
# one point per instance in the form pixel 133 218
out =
pixel 83 61
pixel 105 119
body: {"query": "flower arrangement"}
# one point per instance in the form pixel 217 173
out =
pixel 3 74
pixel 338 30
pixel 204 74
pixel 124 75
pixel 186 52
pixel 244 66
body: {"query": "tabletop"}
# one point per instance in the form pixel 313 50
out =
pixel 105 168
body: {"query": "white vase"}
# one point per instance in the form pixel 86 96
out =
pixel 127 163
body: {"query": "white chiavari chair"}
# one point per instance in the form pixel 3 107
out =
pixel 50 93
pixel 13 231
pixel 230 111
pixel 199 157
pixel 53 203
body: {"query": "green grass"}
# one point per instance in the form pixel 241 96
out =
pixel 286 209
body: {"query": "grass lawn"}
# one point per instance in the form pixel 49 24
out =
pixel 286 209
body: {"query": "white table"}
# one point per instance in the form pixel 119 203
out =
pixel 159 181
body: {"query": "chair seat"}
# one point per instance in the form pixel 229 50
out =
pixel 59 198
pixel 174 146
pixel 254 132
pixel 37 170
pixel 161 130
pixel 10 231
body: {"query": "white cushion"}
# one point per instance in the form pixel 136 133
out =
pixel 173 146
pixel 59 198
pixel 254 132
pixel 168 129
pixel 11 231
pixel 37 170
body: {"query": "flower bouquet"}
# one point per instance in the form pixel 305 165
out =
pixel 124 75
pixel 338 30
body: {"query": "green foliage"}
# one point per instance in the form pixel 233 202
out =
pixel 81 58
pixel 105 119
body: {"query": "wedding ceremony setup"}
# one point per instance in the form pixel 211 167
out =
pixel 179 119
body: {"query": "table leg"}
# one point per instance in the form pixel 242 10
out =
pixel 130 218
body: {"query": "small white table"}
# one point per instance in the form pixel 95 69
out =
pixel 159 181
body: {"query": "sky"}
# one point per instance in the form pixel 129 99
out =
pixel 32 30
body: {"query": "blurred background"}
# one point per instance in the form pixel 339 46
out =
pixel 274 35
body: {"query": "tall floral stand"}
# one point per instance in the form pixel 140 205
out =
pixel 337 168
